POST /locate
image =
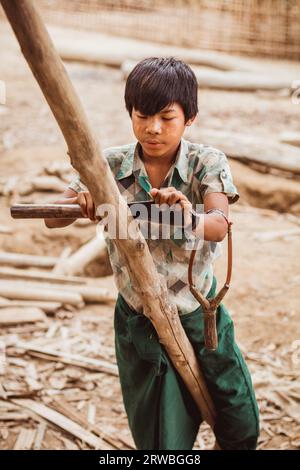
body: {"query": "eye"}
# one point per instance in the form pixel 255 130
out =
pixel 167 119
pixel 141 117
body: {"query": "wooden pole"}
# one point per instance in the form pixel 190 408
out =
pixel 94 170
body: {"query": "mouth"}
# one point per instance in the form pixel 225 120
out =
pixel 153 143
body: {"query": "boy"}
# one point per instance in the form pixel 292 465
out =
pixel 161 98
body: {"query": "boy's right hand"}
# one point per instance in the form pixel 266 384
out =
pixel 84 199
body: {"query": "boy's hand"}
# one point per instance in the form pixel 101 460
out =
pixel 84 199
pixel 172 196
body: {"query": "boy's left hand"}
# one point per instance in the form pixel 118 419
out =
pixel 172 196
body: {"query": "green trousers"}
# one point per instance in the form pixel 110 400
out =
pixel 162 415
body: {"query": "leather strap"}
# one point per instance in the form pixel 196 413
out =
pixel 210 305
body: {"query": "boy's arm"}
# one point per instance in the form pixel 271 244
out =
pixel 215 226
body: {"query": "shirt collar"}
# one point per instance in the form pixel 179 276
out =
pixel 133 164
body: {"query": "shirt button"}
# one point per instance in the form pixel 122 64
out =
pixel 224 174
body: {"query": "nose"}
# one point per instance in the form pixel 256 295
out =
pixel 153 126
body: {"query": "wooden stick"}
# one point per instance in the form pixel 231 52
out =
pixel 87 293
pixel 63 422
pixel 94 170
pixel 40 433
pixel 62 259
pixel 254 150
pixel 66 409
pixel 292 138
pixel 6 230
pixel 92 47
pixel 47 307
pixel 39 275
pixel 69 358
pixel 13 315
pixel 11 290
pixel 46 211
pixel 25 439
pixel 48 183
pixel 88 252
pixel 21 260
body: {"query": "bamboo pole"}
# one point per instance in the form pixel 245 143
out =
pixel 93 169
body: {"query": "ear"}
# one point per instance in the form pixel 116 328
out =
pixel 190 121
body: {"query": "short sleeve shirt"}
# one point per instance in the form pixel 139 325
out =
pixel 197 171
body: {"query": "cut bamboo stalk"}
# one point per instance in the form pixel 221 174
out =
pixel 10 290
pixel 93 48
pixel 40 433
pixel 66 409
pixel 48 183
pixel 6 230
pixel 69 358
pixel 47 307
pixel 63 422
pixel 292 138
pixel 62 259
pixel 276 235
pixel 39 275
pixel 14 315
pixel 254 150
pixel 87 293
pixel 25 439
pixel 240 81
pixel 21 260
pixel 76 263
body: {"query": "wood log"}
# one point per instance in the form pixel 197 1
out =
pixel 39 437
pixel 14 315
pixel 62 259
pixel 39 275
pixel 5 229
pixel 21 291
pixel 14 416
pixel 63 422
pixel 47 307
pixel 239 81
pixel 48 183
pixel 69 358
pixel 248 149
pixel 25 439
pixel 60 169
pixel 66 409
pixel 94 170
pixel 291 138
pixel 87 253
pixel 21 260
pixel 276 235
pixel 83 46
pixel 85 292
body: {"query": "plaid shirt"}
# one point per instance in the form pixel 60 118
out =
pixel 198 170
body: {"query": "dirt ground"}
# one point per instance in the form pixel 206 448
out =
pixel 265 292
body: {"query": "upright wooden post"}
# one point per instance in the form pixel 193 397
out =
pixel 86 158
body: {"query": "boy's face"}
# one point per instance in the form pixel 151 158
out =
pixel 160 134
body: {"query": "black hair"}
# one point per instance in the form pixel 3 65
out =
pixel 157 82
